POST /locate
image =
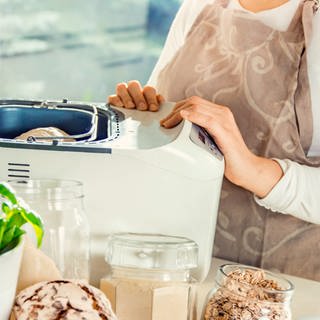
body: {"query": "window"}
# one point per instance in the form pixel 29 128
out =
pixel 79 49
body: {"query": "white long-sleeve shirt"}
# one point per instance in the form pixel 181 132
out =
pixel 298 192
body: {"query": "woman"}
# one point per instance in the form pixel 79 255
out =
pixel 246 72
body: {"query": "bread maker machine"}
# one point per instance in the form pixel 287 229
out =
pixel 137 176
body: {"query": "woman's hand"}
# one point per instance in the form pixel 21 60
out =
pixel 242 167
pixel 133 96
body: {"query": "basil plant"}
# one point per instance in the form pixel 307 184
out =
pixel 13 215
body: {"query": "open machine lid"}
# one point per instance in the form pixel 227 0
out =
pixel 96 127
pixel 82 122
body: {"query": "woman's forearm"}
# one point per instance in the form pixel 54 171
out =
pixel 261 175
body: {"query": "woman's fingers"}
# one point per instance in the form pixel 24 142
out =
pixel 173 121
pixel 115 101
pixel 197 105
pixel 151 96
pixel 177 108
pixel 180 104
pixel 170 115
pixel 132 96
pixel 198 118
pixel 135 91
pixel 173 113
pixel 160 99
pixel 123 94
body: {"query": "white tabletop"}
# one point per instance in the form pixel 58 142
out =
pixel 306 298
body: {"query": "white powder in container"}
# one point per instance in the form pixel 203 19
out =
pixel 150 276
pixel 148 300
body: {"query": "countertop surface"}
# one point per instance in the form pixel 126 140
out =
pixel 306 298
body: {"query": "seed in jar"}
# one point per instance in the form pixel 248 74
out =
pixel 242 296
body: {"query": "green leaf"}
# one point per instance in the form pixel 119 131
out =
pixel 8 193
pixel 2 229
pixel 8 236
pixel 18 232
pixel 10 245
pixel 15 218
pixel 36 223
pixel 5 208
pixel 13 215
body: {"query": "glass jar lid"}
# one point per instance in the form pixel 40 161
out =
pixel 151 251
pixel 47 189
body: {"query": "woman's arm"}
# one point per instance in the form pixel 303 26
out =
pixel 295 190
pixel 242 167
pixel 297 193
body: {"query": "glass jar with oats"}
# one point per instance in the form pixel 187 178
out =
pixel 248 293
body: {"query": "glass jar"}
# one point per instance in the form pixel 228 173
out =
pixel 248 293
pixel 150 276
pixel 66 229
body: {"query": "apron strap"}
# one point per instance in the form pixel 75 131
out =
pixel 305 13
pixel 310 7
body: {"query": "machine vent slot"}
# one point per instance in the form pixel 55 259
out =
pixel 18 170
pixel 19 164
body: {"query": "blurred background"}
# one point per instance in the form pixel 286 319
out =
pixel 79 49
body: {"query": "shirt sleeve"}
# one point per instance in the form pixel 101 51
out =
pixel 179 29
pixel 297 193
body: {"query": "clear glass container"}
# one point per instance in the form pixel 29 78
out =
pixel 150 276
pixel 66 229
pixel 248 293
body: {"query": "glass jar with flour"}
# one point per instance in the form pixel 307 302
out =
pixel 150 276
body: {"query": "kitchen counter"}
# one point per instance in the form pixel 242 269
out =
pixel 306 298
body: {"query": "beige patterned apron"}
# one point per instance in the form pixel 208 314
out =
pixel 260 73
